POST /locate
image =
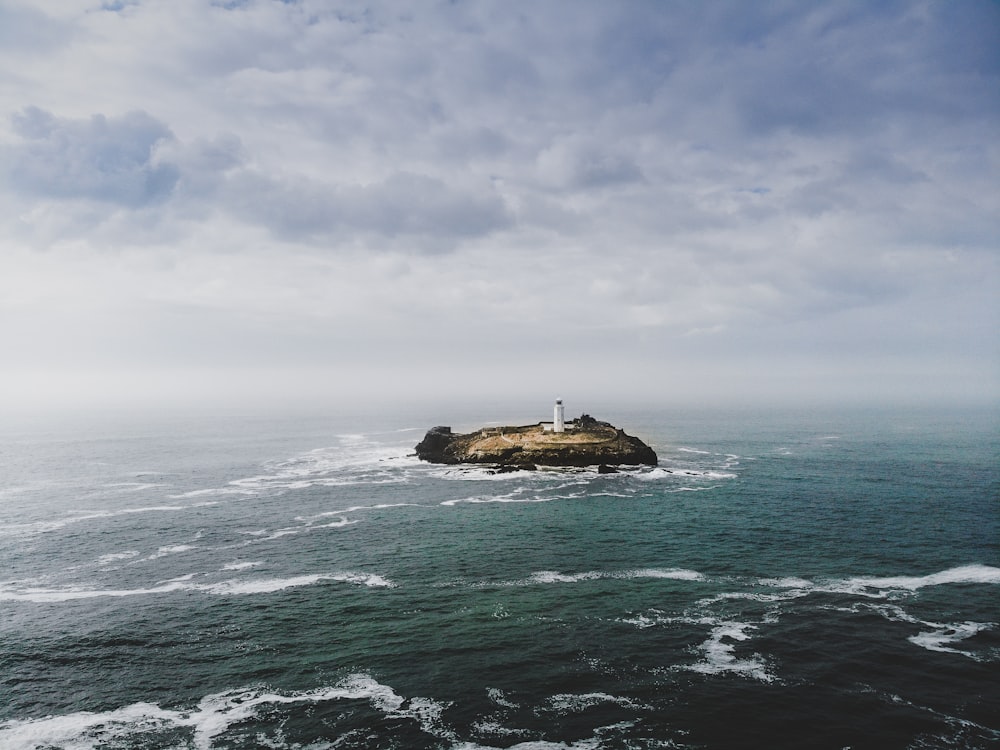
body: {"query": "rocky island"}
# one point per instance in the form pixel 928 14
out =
pixel 584 441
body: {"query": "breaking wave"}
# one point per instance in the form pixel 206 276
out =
pixel 212 718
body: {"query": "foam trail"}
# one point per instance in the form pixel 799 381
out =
pixel 355 508
pixel 232 587
pixel 123 487
pixel 117 556
pixel 590 743
pixel 174 549
pixel 239 565
pixel 266 586
pixel 661 473
pixel 482 499
pixel 961 574
pixel 575 703
pixel 877 586
pixel 55 524
pixel 553 576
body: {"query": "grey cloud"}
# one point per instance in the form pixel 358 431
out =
pixel 402 205
pixel 580 166
pixel 204 164
pixel 30 32
pixel 134 161
pixel 101 158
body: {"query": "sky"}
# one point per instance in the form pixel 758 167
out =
pixel 314 201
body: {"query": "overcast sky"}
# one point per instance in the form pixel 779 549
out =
pixel 668 201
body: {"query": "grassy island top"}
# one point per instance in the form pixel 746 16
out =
pixel 536 436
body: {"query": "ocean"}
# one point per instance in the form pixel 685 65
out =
pixel 785 578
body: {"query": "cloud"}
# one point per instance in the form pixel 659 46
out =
pixel 31 32
pixel 134 161
pixel 102 159
pixel 648 179
pixel 580 166
pixel 403 205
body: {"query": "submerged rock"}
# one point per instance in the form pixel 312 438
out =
pixel 586 442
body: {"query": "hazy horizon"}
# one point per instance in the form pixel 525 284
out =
pixel 265 204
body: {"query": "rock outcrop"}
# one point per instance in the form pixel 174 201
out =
pixel 586 442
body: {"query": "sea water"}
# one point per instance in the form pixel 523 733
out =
pixel 783 579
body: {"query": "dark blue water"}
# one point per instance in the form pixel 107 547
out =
pixel 814 578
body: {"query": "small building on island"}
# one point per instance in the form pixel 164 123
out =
pixel 558 423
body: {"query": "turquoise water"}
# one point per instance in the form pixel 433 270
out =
pixel 782 579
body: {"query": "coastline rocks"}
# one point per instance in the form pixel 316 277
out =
pixel 586 442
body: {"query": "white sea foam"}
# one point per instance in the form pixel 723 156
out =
pixel 788 582
pixel 85 730
pixel 43 595
pixel 339 523
pixel 940 635
pixel 575 703
pixel 552 576
pixel 489 726
pixel 787 593
pixel 941 638
pixel 81 516
pixel 648 619
pixel 718 475
pixel 212 717
pixel 499 697
pixel 305 528
pixel 590 743
pixel 51 524
pixel 214 491
pixel 124 487
pixel 185 577
pixel 621 495
pixel 240 565
pixel 487 473
pixel 959 726
pixel 661 473
pixel 153 509
pixel 962 574
pixel 174 549
pixel 719 657
pixel 117 557
pixel 482 499
pixel 266 535
pixel 233 587
pixel 357 461
pixel 356 508
pixel 269 585
pixel 878 587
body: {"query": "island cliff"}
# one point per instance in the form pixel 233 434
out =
pixel 585 442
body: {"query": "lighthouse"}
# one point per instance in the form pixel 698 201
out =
pixel 558 417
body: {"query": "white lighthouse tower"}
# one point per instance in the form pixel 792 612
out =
pixel 558 417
